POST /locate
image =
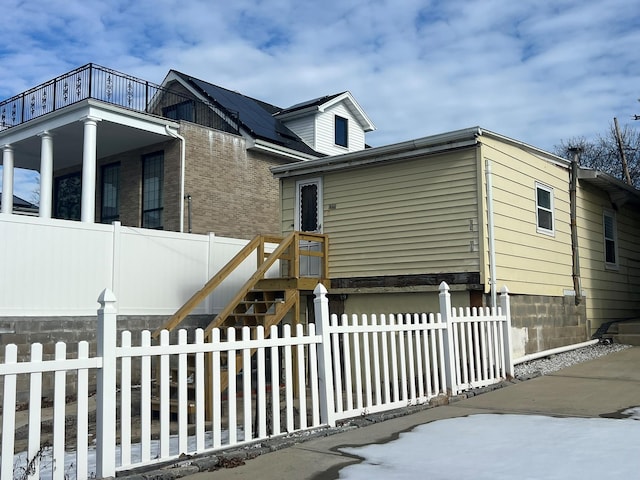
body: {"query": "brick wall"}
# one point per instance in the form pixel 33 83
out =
pixel 23 331
pixel 548 322
pixel 233 192
pixel 131 183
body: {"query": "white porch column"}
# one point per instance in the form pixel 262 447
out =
pixel 89 157
pixel 7 179
pixel 46 174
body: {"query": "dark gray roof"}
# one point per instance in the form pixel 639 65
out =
pixel 311 103
pixel 255 116
pixel 20 203
pixel 619 192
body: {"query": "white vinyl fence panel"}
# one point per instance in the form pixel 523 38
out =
pixel 55 267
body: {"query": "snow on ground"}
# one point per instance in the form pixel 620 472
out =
pixel 496 447
pixel 46 462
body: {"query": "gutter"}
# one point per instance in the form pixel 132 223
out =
pixel 182 171
pixel 368 156
pixel 281 151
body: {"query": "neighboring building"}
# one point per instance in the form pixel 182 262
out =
pixel 21 206
pixel 479 211
pixel 184 156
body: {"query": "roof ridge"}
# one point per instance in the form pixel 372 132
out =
pixel 236 92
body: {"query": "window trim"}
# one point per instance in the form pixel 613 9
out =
pixel 611 214
pixel 545 231
pixel 345 132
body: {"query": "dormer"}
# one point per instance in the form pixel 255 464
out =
pixel 332 125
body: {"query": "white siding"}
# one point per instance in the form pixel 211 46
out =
pixel 325 135
pixel 305 128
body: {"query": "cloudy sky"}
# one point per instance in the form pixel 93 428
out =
pixel 538 71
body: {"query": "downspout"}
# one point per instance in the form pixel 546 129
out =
pixel 554 351
pixel 573 185
pixel 182 167
pixel 492 246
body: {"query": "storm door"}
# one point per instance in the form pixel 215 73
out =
pixel 308 218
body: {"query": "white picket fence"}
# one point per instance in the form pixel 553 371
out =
pixel 329 371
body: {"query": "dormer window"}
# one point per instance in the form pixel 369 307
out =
pixel 341 131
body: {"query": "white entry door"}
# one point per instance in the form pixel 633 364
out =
pixel 308 218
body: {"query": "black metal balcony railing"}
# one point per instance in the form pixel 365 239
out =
pixel 110 86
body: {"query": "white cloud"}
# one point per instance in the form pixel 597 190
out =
pixel 538 71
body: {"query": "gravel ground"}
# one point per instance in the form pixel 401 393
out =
pixel 546 365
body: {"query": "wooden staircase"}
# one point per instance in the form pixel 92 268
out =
pixel 260 301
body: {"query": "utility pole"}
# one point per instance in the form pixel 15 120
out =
pixel 625 168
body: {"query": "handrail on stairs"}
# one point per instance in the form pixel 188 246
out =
pixel 263 266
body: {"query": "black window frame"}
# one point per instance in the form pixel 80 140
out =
pixel 185 110
pixel 106 173
pixel 72 210
pixel 153 201
pixel 341 131
pixel 610 240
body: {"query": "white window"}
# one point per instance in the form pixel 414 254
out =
pixel 544 209
pixel 610 239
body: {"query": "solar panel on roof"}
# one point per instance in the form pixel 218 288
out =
pixel 254 115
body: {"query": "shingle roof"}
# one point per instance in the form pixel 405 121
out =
pixel 255 116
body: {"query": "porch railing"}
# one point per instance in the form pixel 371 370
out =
pixel 99 83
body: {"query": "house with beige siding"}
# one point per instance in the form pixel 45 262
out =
pixel 478 210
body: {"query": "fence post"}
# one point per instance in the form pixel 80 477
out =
pixel 505 305
pixel 325 371
pixel 449 350
pixel 106 387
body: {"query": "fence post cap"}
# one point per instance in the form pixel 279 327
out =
pixel 504 290
pixel 444 287
pixel 320 290
pixel 107 296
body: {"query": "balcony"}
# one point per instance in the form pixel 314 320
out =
pixel 99 83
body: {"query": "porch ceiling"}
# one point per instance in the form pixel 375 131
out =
pixel 119 130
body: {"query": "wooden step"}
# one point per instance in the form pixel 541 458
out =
pixel 173 408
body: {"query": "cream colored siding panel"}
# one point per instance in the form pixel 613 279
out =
pixel 288 198
pixel 528 262
pixel 611 293
pixel 403 218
